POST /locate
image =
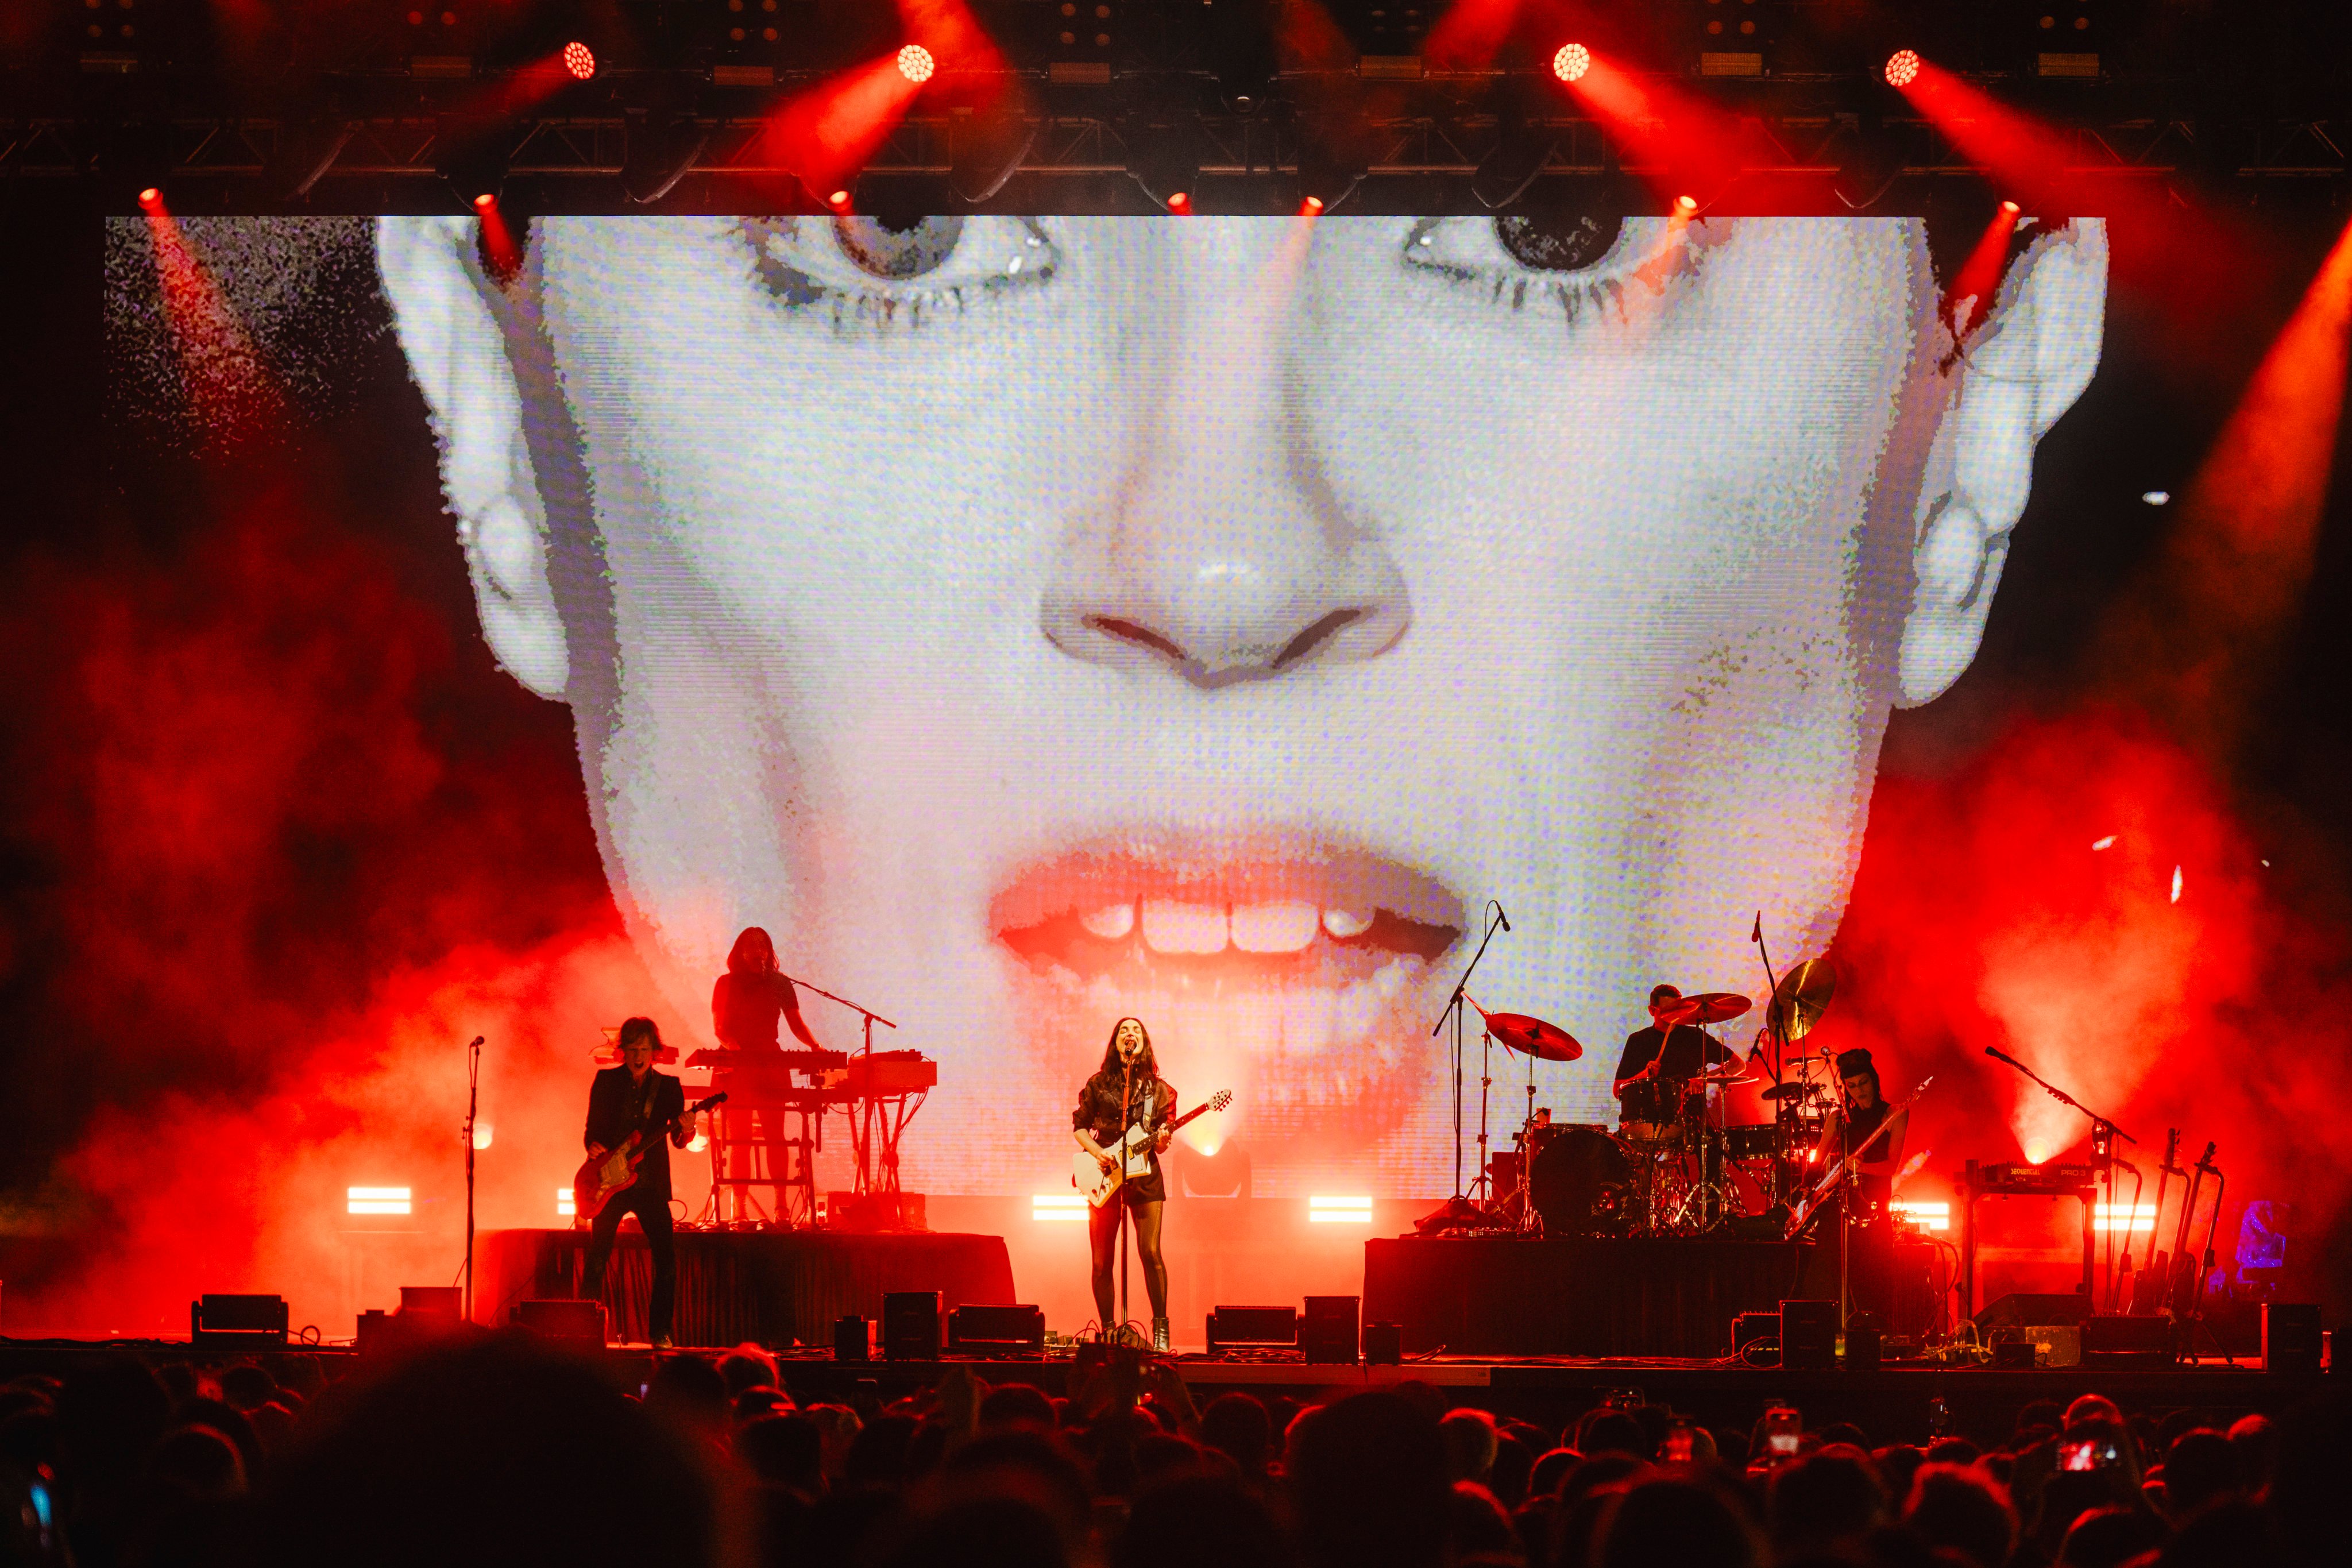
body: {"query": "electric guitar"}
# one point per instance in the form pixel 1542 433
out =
pixel 1131 1156
pixel 1842 1168
pixel 597 1180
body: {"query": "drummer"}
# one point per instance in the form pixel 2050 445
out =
pixel 1658 1065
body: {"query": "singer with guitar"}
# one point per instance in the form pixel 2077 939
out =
pixel 634 1100
pixel 1128 1092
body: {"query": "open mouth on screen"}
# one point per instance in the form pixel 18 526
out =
pixel 1186 911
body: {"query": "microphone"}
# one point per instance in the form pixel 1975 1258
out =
pixel 1757 935
pixel 478 1042
pixel 1998 1055
pixel 1500 915
pixel 2205 1161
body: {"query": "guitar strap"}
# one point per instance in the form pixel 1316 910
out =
pixel 646 1101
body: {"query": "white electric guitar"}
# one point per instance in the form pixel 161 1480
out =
pixel 1131 1156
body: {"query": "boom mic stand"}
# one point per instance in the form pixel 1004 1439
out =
pixel 2104 1135
pixel 861 1138
pixel 1458 1213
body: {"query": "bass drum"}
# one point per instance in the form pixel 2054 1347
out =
pixel 1582 1183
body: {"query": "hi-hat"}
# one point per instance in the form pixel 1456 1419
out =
pixel 1531 1037
pixel 1802 996
pixel 1705 1007
pixel 1791 1091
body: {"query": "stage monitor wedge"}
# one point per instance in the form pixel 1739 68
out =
pixel 984 1329
pixel 252 1322
pixel 2291 1337
pixel 910 1325
pixel 1327 1330
pixel 1809 1335
pixel 1253 1328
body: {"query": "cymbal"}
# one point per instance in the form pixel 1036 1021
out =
pixel 1532 1036
pixel 1791 1091
pixel 1705 1007
pixel 1802 996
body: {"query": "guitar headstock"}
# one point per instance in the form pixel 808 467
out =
pixel 1219 1100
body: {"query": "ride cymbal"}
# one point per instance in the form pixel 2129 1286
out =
pixel 1532 1036
pixel 1802 997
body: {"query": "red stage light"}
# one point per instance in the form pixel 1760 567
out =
pixel 150 200
pixel 1571 62
pixel 580 60
pixel 1685 205
pixel 1310 206
pixel 1902 67
pixel 486 201
pixel 915 63
pixel 2010 207
pixel 838 201
pixel 1179 202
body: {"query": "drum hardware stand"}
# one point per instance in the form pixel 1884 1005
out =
pixel 1458 1213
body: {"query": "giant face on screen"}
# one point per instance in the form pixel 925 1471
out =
pixel 1034 622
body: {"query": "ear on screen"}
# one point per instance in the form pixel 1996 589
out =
pixel 2021 370
pixel 444 309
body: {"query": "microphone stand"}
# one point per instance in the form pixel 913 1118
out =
pixel 2104 1135
pixel 861 1135
pixel 1458 1211
pixel 1775 1030
pixel 473 1104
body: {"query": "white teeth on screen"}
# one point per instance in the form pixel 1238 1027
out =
pixel 1110 922
pixel 1343 923
pixel 1171 927
pixel 1274 928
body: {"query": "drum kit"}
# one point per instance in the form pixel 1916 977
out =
pixel 1675 1166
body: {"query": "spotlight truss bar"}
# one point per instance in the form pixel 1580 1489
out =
pixel 575 162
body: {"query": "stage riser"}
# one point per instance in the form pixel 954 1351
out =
pixel 1504 1296
pixel 772 1287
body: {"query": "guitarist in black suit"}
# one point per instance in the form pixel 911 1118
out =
pixel 632 1098
pixel 1128 1092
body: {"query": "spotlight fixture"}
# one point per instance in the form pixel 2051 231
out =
pixel 984 151
pixel 150 200
pixel 1685 205
pixel 580 60
pixel 305 150
pixel 1902 67
pixel 1571 61
pixel 2011 208
pixel 1164 157
pixel 838 201
pixel 915 63
pixel 1311 207
pixel 485 202
pixel 661 148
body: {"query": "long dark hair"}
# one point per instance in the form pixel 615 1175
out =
pixel 1147 1064
pixel 753 953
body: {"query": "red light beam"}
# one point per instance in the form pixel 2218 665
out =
pixel 230 391
pixel 2240 556
pixel 826 134
pixel 1970 299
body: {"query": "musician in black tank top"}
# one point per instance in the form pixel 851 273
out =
pixel 1127 1090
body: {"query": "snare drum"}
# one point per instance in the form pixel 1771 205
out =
pixel 1760 1142
pixel 1652 1110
